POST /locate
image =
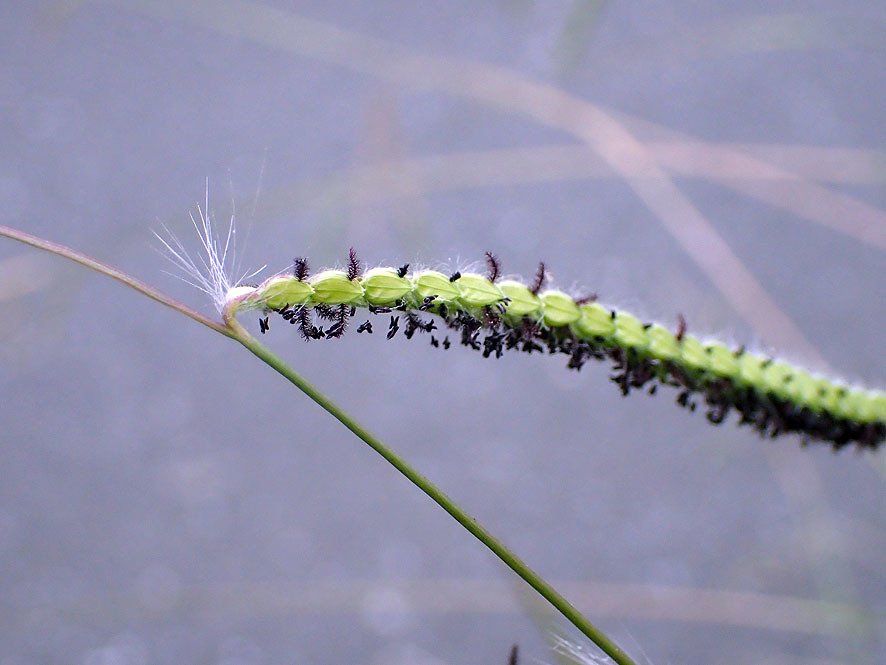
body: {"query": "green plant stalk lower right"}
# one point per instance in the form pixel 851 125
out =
pixel 437 495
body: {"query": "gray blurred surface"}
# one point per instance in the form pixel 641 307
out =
pixel 164 498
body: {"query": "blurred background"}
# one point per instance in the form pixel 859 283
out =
pixel 165 498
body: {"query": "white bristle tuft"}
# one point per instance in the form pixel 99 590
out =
pixel 576 653
pixel 214 268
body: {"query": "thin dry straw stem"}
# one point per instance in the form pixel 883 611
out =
pixel 113 273
pixel 234 330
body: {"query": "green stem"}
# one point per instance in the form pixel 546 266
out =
pixel 232 328
pixel 510 559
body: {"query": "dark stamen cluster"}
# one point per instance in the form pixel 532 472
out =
pixel 342 314
pixel 681 328
pixel 393 327
pixel 354 269
pixel 540 277
pixel 493 269
pixel 415 322
pixel 300 268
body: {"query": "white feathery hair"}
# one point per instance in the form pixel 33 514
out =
pixel 214 269
pixel 575 652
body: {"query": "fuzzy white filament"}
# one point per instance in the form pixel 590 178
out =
pixel 575 652
pixel 213 270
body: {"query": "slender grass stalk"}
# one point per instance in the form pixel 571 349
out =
pixel 113 273
pixel 440 498
pixel 232 328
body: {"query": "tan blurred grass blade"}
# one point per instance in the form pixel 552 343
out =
pixel 776 186
pixel 409 176
pixel 783 614
pixel 767 161
pixel 23 275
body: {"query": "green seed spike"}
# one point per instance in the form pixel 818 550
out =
pixel 278 292
pixel 773 396
pixel 520 300
pixel 662 343
pixel 332 287
pixel 693 354
pixel 384 285
pixel 477 291
pixel 723 361
pixel 432 283
pixel 595 321
pixel 629 332
pixel 558 309
pixel 750 369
